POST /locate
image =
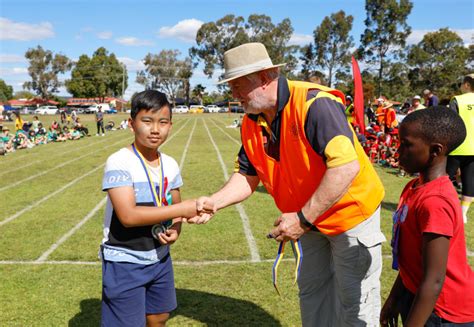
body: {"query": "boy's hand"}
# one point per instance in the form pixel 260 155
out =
pixel 205 208
pixel 168 237
pixel 389 314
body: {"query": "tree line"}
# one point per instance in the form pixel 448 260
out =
pixel 390 67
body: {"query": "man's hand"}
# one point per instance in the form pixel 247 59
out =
pixel 288 227
pixel 205 208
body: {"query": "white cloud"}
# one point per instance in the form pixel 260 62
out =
pixel 185 30
pixel 132 64
pixel 133 41
pixel 11 58
pixel 132 88
pixel 300 39
pixel 13 71
pixel 467 35
pixel 10 30
pixel 104 35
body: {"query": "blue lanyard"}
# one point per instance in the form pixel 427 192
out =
pixel 157 196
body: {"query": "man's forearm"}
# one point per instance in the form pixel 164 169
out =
pixel 334 184
pixel 238 188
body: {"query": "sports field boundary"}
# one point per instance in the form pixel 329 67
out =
pixel 255 256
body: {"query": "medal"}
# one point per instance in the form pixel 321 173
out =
pixel 157 193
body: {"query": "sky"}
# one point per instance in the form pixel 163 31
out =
pixel 132 29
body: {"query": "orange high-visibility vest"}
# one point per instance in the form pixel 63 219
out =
pixel 293 180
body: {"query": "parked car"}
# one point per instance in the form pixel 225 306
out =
pixel 237 109
pixel 46 110
pixel 181 109
pixel 196 109
pixel 95 108
pixel 212 108
pixel 221 110
pixel 111 111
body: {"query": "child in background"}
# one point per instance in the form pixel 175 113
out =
pixel 435 284
pixel 142 218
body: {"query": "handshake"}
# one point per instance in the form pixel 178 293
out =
pixel 199 211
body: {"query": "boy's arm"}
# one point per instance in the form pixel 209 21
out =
pixel 435 258
pixel 389 313
pixel 131 215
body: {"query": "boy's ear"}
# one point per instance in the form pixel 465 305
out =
pixel 130 124
pixel 437 149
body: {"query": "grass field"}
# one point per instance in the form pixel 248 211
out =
pixel 51 211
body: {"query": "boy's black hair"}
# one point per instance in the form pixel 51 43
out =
pixel 148 100
pixel 439 124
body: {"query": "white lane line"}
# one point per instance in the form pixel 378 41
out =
pixel 178 263
pixel 47 197
pixel 63 239
pixel 185 151
pixel 87 145
pixel 228 135
pixel 255 256
pixel 37 203
pixel 56 167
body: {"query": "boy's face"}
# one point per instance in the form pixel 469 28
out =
pixel 414 152
pixel 151 128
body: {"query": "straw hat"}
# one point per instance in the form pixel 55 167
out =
pixel 246 59
pixel 387 104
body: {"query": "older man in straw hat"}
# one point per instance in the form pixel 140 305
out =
pixel 298 143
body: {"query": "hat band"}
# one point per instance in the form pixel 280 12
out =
pixel 248 69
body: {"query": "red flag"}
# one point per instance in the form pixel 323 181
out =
pixel 358 96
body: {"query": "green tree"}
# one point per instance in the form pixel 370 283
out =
pixel 198 92
pixel 385 33
pixel 165 72
pixel 437 62
pixel 214 38
pixel 308 62
pixel 6 91
pixel 44 69
pixel 332 44
pixel 101 75
pixel 23 95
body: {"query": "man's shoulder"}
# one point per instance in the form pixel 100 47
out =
pixel 122 156
pixel 169 160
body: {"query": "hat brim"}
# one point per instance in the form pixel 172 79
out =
pixel 247 73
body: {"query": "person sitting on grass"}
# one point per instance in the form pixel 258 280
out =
pixel 6 145
pixel 142 218
pixel 52 135
pixel 435 284
pixel 75 134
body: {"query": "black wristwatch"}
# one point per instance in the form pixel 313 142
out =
pixel 305 221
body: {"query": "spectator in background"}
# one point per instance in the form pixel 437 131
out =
pixel 99 118
pixel 431 100
pixel 74 117
pixel 390 116
pixel 349 110
pixel 54 125
pixel 463 156
pixel 18 121
pixel 35 124
pixel 380 113
pixel 63 117
pixel 416 104
pixel 124 124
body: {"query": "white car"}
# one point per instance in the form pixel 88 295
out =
pixel 212 108
pixel 46 110
pixel 180 109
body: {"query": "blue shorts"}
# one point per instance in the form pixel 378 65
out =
pixel 130 291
